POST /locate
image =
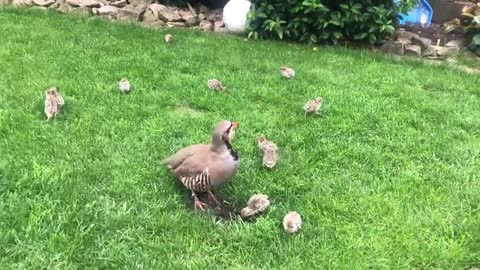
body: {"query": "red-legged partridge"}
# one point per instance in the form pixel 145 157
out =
pixel 216 85
pixel 292 222
pixel 313 106
pixel 124 86
pixel 203 167
pixel 258 203
pixel 53 102
pixel 287 72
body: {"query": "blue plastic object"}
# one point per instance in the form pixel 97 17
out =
pixel 420 14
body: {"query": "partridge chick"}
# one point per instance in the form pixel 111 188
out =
pixel 287 72
pixel 215 85
pixel 124 86
pixel 313 106
pixel 258 203
pixel 168 38
pixel 265 144
pixel 292 222
pixel 270 158
pixel 53 102
pixel 203 167
pixel 269 152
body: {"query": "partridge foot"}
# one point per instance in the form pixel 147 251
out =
pixel 212 197
pixel 198 204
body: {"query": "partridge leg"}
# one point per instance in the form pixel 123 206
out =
pixel 212 197
pixel 198 204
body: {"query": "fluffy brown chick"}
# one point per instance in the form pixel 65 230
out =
pixel 215 85
pixel 264 143
pixel 168 38
pixel 270 158
pixel 292 222
pixel 258 203
pixel 313 106
pixel 124 85
pixel 287 72
pixel 53 102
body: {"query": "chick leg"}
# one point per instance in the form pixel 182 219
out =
pixel 198 204
pixel 212 197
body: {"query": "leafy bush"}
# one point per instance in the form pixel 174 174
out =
pixel 470 22
pixel 316 21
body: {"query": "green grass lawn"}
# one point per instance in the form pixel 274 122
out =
pixel 386 178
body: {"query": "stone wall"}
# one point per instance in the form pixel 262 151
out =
pixel 154 14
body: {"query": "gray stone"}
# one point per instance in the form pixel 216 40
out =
pixel 430 51
pixel 201 16
pixel 206 25
pixel 44 3
pixel 119 4
pixel 203 9
pixel 405 35
pixel 108 11
pixel 81 11
pixel 393 47
pixel 213 14
pixel 447 52
pixel 169 15
pixel 404 40
pixel 129 13
pixel 176 24
pixel 83 3
pixel 54 6
pixel 413 50
pixel 95 11
pixel 422 42
pixel 140 3
pixel 22 2
pixel 218 25
pixel 188 17
pixel 151 13
pixel 456 43
pixel 63 7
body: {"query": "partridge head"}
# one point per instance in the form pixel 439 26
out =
pixel 313 106
pixel 215 85
pixel 292 222
pixel 124 85
pixel 287 72
pixel 258 203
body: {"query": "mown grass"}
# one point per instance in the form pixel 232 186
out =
pixel 386 178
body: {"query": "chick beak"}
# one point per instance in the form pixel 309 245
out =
pixel 235 125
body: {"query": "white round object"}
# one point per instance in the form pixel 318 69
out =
pixel 235 15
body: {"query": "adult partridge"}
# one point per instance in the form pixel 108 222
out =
pixel 203 167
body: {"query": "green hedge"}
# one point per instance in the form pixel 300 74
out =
pixel 318 21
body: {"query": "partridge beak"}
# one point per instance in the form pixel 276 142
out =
pixel 235 124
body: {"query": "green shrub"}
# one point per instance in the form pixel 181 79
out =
pixel 317 21
pixel 470 22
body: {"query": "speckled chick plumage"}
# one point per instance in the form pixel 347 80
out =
pixel 313 106
pixel 53 102
pixel 292 222
pixel 258 203
pixel 269 149
pixel 287 72
pixel 168 38
pixel 215 85
pixel 124 85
